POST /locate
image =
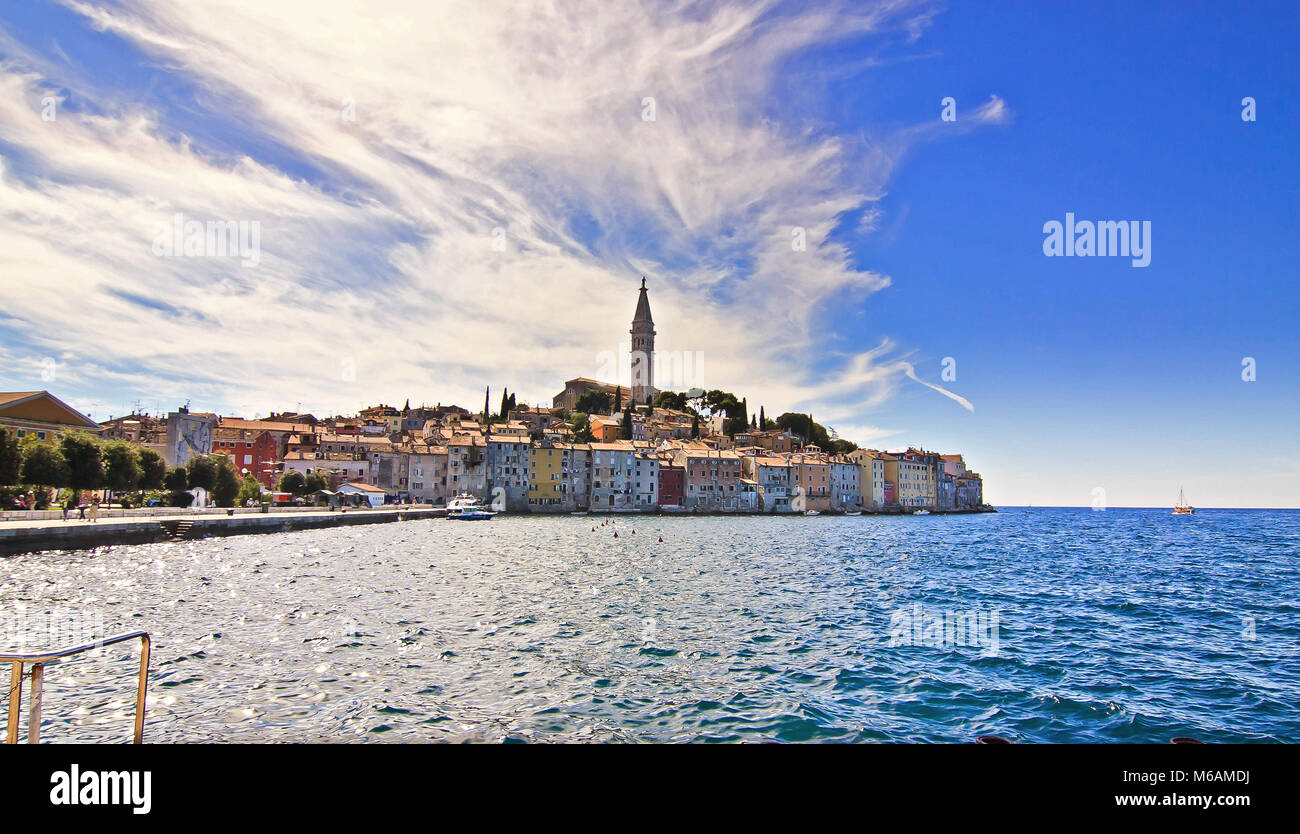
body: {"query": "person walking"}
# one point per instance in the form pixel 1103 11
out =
pixel 94 510
pixel 67 507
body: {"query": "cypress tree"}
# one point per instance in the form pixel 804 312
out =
pixel 487 395
pixel 618 399
pixel 626 431
pixel 11 458
pixel 695 426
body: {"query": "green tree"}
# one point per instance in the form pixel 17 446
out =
pixel 505 403
pixel 487 395
pixel 625 430
pixel 11 458
pixel 85 465
pixel 121 466
pixel 315 482
pixel 695 426
pixel 201 472
pixel 249 490
pixel 593 402
pixel 618 399
pixel 840 446
pixel 175 482
pixel 804 426
pixel 671 400
pixel 152 468
pixel 176 479
pixel 44 465
pixel 293 483
pixel 581 425
pixel 225 485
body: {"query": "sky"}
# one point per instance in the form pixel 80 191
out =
pixel 447 196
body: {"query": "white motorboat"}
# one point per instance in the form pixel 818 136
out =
pixel 813 512
pixel 466 507
pixel 921 512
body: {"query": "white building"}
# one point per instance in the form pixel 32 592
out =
pixel 613 475
pixel 846 491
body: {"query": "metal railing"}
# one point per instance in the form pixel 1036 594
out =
pixel 38 662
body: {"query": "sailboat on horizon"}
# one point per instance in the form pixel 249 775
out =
pixel 1182 507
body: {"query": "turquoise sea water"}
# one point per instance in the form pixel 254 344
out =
pixel 1120 626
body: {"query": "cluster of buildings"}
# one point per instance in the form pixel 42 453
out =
pixel 529 460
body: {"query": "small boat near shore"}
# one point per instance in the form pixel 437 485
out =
pixel 921 512
pixel 466 507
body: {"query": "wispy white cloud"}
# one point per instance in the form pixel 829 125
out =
pixel 960 400
pixel 377 248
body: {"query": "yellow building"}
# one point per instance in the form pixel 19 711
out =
pixel 42 415
pixel 546 480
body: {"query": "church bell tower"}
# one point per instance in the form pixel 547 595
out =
pixel 643 349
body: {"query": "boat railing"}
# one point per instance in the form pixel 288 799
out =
pixel 38 661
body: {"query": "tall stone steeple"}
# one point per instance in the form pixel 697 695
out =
pixel 643 349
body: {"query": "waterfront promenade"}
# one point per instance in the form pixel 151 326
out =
pixel 144 526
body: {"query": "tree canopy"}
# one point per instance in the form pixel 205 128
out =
pixel 44 465
pixel 804 426
pixel 152 468
pixel 593 402
pixel 293 483
pixel 225 484
pixel 85 467
pixel 201 472
pixel 121 465
pixel 11 458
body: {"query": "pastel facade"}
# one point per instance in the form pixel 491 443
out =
pixel 846 484
pixel 428 475
pixel 712 478
pixel 811 480
pixel 507 471
pixel 467 466
pixel 773 479
pixel 613 475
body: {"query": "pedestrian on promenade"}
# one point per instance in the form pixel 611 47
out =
pixel 94 510
pixel 67 507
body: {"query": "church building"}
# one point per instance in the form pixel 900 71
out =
pixel 641 359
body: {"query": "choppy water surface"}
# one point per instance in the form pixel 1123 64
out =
pixel 1125 625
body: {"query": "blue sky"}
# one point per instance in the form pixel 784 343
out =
pixel 378 279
